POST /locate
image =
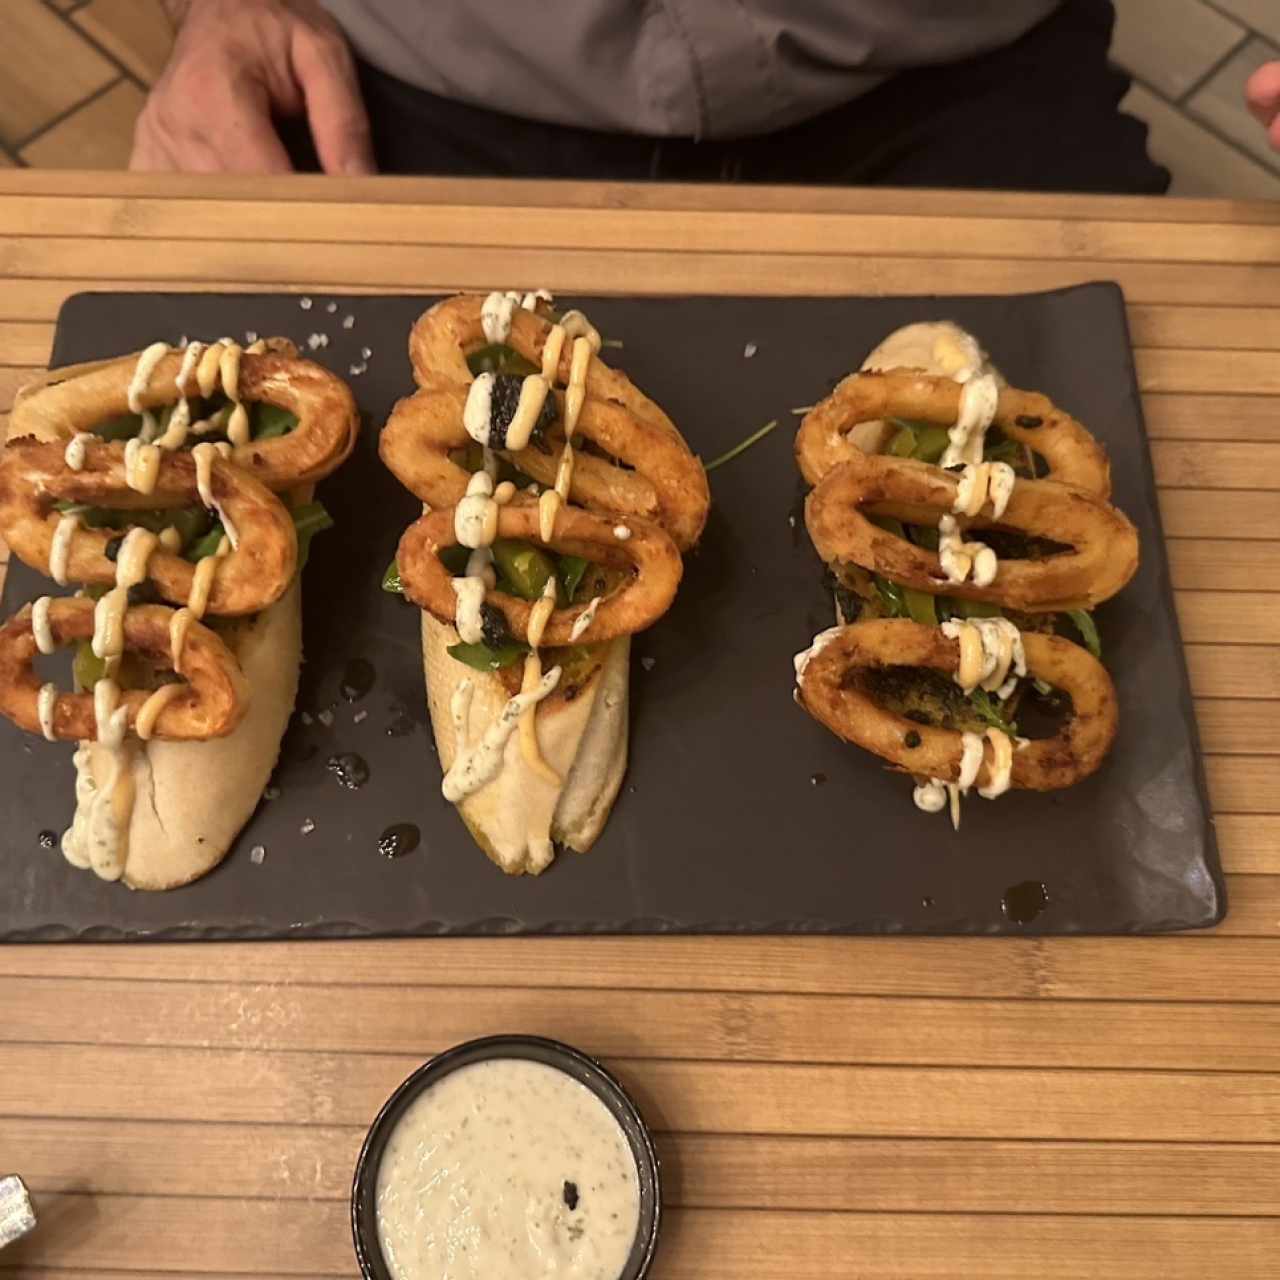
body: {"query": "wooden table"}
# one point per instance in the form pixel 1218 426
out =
pixel 871 1108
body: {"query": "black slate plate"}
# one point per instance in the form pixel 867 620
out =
pixel 721 825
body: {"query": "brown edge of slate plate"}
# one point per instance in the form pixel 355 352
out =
pixel 1131 850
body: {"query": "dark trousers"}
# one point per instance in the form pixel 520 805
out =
pixel 1041 114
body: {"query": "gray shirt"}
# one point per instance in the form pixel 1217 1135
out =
pixel 686 68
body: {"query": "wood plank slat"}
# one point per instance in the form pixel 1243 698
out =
pixel 339 265
pixel 1233 617
pixel 261 1086
pixel 720 1026
pixel 254 1237
pixel 715 1171
pixel 1222 564
pixel 505 192
pixel 1210 966
pixel 1181 416
pixel 776 231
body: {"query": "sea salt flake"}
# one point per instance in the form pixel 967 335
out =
pixel 359 716
pixel 256 855
pixel 325 717
pixel 648 663
pixel 366 352
pixel 308 826
pixel 305 303
pixel 749 350
pixel 331 307
pixel 348 322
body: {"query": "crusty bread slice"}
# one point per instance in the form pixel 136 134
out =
pixel 582 731
pixel 193 798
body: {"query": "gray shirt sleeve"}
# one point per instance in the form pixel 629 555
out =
pixel 686 68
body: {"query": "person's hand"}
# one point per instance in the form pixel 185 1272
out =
pixel 1263 96
pixel 234 65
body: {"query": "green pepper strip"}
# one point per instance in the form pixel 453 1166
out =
pixel 1088 630
pixel 482 658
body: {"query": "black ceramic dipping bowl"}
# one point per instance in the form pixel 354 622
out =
pixel 364 1215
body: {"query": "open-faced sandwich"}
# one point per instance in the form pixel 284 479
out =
pixel 174 487
pixel 968 531
pixel 557 502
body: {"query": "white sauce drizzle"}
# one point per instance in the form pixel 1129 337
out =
pixel 979 399
pixel 144 726
pixel 585 619
pixel 108 613
pixel 475 518
pixel 470 593
pixel 1001 768
pixel 496 314
pixel 46 705
pixel 141 465
pixel 202 580
pixel 477 412
pixel 930 795
pixel 40 628
pixel 989 649
pixel 60 547
pixel 983 481
pixel 477 764
pixel 74 454
pixel 99 834
pixel 959 558
pixel 820 642
pixel 139 383
pixel 179 625
pixel 203 455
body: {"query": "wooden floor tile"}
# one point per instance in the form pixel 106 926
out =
pixel 137 32
pixel 98 136
pixel 1170 44
pixel 1220 102
pixel 45 69
pixel 1201 163
pixel 1262 15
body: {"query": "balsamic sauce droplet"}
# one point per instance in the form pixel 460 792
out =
pixel 400 727
pixel 357 679
pixel 571 1195
pixel 351 770
pixel 48 839
pixel 926 901
pixel 398 840
pixel 1024 901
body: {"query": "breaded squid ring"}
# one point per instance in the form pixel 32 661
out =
pixel 1073 455
pixel 213 703
pixel 35 476
pixel 1104 544
pixel 77 398
pixel 666 484
pixel 831 689
pixel 649 552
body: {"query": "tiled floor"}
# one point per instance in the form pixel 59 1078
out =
pixel 1190 59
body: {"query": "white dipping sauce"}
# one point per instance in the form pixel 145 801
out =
pixel 472 1182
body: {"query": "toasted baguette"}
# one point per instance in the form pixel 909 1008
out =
pixel 192 798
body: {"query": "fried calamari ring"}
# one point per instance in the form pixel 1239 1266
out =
pixel 665 483
pixel 1103 544
pixel 835 687
pixel 211 705
pixel 77 398
pixel 253 575
pixel 649 553
pixel 1073 455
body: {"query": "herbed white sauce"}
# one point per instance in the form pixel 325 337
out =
pixel 472 1182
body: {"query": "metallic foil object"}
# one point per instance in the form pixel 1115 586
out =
pixel 17 1217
